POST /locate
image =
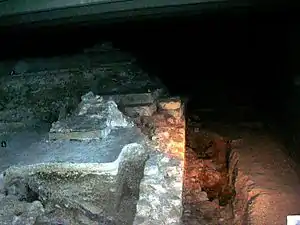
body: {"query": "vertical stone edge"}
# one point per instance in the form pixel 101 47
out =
pixel 160 198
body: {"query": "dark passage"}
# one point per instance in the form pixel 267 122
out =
pixel 223 61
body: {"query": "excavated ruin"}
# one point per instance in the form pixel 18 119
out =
pixel 113 153
pixel 94 138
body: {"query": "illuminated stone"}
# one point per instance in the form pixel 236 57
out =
pixel 171 104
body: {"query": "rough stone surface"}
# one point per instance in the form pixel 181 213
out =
pixel 160 199
pixel 209 178
pixel 170 104
pixel 93 191
pixel 141 110
pixel 203 188
pixel 42 88
pixel 77 177
pixel 15 212
pixel 135 99
pixel 93 119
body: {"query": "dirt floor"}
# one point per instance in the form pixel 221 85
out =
pixel 266 190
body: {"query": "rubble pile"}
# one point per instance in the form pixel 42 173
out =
pixel 113 154
pixel 208 192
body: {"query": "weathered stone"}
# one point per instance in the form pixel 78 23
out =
pixel 78 135
pixel 160 191
pixel 169 134
pixel 176 113
pixel 141 110
pixel 101 181
pixel 134 99
pixel 206 179
pixel 43 220
pixel 18 188
pixel 169 104
pixel 35 84
pixel 104 115
pixel 1 184
pixel 94 191
pixel 160 199
pixel 29 217
pixel 15 212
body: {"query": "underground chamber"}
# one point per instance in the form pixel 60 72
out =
pixel 167 126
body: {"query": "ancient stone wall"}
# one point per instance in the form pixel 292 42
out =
pixel 160 200
pixel 116 158
pixel 46 89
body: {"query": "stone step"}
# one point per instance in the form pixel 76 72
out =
pixel 94 119
pixel 135 99
pixel 78 135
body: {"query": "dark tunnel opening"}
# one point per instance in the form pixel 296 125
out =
pixel 218 60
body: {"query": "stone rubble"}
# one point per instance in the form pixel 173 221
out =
pixel 90 192
pixel 160 189
pixel 155 180
pixel 147 175
pixel 15 212
pixel 48 87
pixel 93 119
pixel 207 194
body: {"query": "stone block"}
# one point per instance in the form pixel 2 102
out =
pixel 13 211
pixel 118 170
pixel 173 106
pixel 95 192
pixel 169 104
pixel 134 99
pixel 106 180
pixel 103 115
pixel 160 199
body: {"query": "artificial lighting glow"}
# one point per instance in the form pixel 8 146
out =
pixel 293 220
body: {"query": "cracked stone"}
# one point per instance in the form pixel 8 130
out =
pixel 103 115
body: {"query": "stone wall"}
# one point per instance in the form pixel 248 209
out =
pixel 144 182
pixel 43 89
pixel 142 186
pixel 85 193
pixel 160 199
